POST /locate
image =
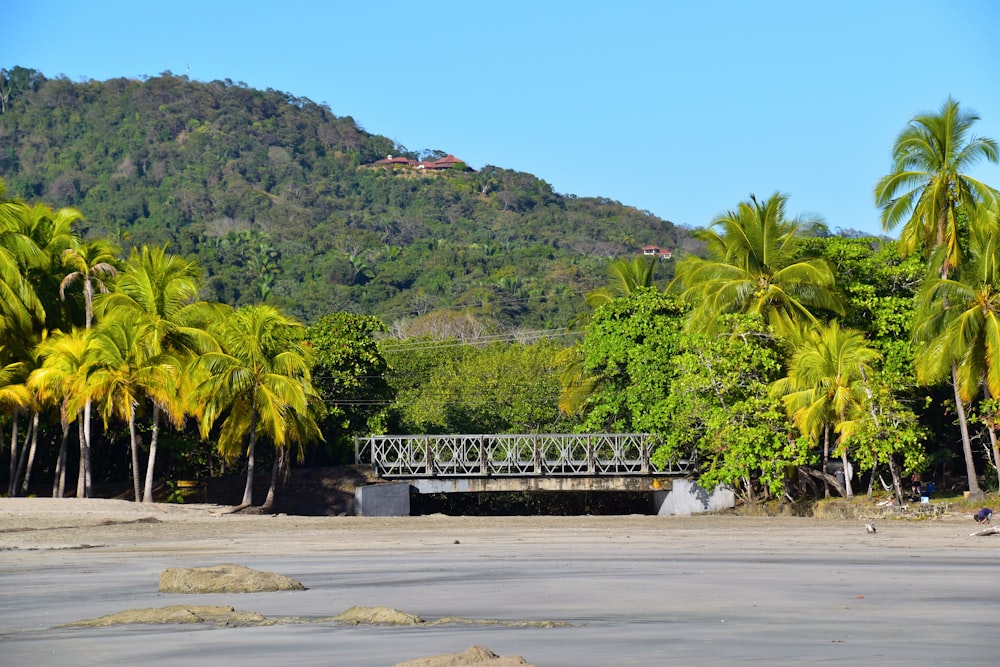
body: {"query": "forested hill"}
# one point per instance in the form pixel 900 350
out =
pixel 280 200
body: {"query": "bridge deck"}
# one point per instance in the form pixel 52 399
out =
pixel 483 462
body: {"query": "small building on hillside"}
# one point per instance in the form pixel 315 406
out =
pixel 657 251
pixel 390 160
pixel 447 162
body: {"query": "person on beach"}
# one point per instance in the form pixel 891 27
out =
pixel 983 515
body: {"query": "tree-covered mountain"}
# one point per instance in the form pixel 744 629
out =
pixel 281 201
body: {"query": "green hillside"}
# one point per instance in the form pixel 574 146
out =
pixel 280 201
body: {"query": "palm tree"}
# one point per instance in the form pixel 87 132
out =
pixel 59 379
pixel 93 264
pixel 162 289
pixel 958 327
pixel 52 233
pixel 928 185
pixel 825 387
pixel 625 277
pixel 126 365
pixel 20 306
pixel 14 397
pixel 258 384
pixel 928 188
pixel 753 267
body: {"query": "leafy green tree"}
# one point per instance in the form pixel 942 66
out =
pixel 626 276
pixel 824 388
pixel 881 287
pixel 753 267
pixel 891 434
pixel 349 373
pixel 496 388
pixel 722 414
pixel 627 349
pixel 16 81
pixel 258 384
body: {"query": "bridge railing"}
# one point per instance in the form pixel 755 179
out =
pixel 520 455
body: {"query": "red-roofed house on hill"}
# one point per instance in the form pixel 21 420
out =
pixel 447 162
pixel 390 160
pixel 657 251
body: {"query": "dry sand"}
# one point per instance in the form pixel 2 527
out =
pixel 632 590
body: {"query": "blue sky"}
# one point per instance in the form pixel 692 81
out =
pixel 682 109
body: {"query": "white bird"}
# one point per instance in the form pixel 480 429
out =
pixel 870 527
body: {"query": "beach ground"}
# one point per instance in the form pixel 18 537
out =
pixel 559 591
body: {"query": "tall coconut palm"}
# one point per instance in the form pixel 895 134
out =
pixel 958 325
pixel 52 232
pixel 20 306
pixel 91 263
pixel 825 387
pixel 162 289
pixel 126 365
pixel 625 276
pixel 928 187
pixel 753 267
pixel 60 378
pixel 14 397
pixel 258 384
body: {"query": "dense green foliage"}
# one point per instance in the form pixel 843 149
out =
pixel 278 200
pixel 779 350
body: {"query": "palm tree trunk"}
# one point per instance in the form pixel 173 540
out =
pixel 147 492
pixel 970 466
pixel 135 456
pixel 993 435
pixel 826 459
pixel 276 471
pixel 83 483
pixel 81 475
pixel 996 453
pixel 12 479
pixel 897 483
pixel 59 478
pixel 22 459
pixel 248 489
pixel 848 487
pixel 31 454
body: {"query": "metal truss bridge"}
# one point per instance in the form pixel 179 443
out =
pixel 520 462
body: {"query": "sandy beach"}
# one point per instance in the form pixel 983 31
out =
pixel 618 590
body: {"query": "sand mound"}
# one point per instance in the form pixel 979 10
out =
pixel 477 656
pixel 380 615
pixel 224 578
pixel 181 614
